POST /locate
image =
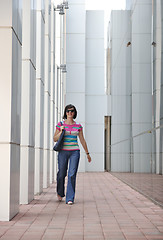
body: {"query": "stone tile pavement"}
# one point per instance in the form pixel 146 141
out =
pixel 105 208
pixel 151 185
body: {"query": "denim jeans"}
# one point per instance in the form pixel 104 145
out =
pixel 63 158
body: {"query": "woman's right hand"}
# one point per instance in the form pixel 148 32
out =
pixel 58 133
pixel 62 127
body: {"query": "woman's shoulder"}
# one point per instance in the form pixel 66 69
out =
pixel 77 123
pixel 79 126
pixel 59 124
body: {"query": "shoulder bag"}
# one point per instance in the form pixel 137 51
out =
pixel 59 144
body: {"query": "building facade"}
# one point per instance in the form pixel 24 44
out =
pixel 32 96
pixel 135 50
pixel 48 60
pixel 52 55
pixel 85 81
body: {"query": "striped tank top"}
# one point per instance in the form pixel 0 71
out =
pixel 70 138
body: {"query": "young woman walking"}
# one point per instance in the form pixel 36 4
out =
pixel 69 153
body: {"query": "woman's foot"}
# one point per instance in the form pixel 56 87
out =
pixel 59 198
pixel 70 203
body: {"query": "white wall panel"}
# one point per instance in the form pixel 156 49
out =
pixel 46 168
pixel 94 53
pixel 121 146
pixel 141 44
pixel 75 78
pixel 142 163
pixel 97 165
pixel 82 161
pixel 139 128
pixel 24 170
pixel 95 109
pixel 121 109
pixel 96 101
pixel 120 132
pixel 142 144
pixel 28 102
pixel 75 41
pixel 120 91
pixel 140 112
pixel 77 99
pixel 10 85
pixel 141 85
pixel 16 88
pixel 120 162
pixel 141 75
pixel 94 131
pixel 6 86
pixel 38 185
pixel 14 180
pixel 120 24
pixel 39 113
pixel 76 19
pixel 120 53
pixel 47 93
pixel 95 29
pixel 140 16
pixel 5 177
pixel 121 84
pixel 95 81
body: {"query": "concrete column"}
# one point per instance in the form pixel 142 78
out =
pixel 52 94
pixel 95 98
pixel 120 90
pixel 75 57
pixel 27 162
pixel 10 106
pixel 58 61
pixel 47 64
pixel 56 94
pixel 141 85
pixel 39 115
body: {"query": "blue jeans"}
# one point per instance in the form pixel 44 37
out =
pixel 63 158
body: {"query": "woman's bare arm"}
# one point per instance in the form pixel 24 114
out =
pixel 84 144
pixel 57 134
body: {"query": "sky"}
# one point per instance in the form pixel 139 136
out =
pixel 106 5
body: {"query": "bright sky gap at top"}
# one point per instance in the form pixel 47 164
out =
pixel 106 5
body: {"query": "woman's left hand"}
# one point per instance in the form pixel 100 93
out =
pixel 89 158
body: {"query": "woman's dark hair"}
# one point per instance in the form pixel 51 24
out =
pixel 67 108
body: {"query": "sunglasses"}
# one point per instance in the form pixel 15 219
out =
pixel 70 111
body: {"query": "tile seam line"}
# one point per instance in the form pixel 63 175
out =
pixel 50 219
pixel 96 206
pixel 66 222
pixel 111 209
pixel 127 214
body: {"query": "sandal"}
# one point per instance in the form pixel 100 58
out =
pixel 59 198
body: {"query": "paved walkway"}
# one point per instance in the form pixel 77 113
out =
pixel 151 185
pixel 105 208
